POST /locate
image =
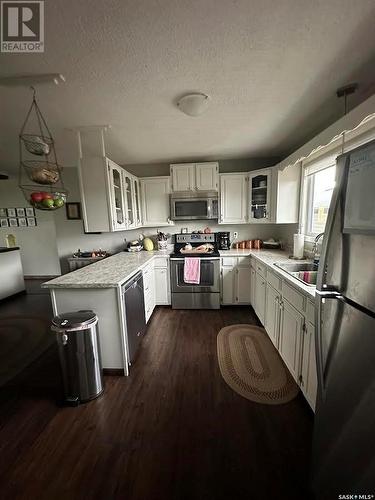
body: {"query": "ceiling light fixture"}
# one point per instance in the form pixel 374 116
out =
pixel 193 104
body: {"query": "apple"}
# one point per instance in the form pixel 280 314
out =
pixel 36 197
pixel 58 202
pixel 47 202
pixel 46 196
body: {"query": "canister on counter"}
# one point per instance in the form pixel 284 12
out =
pixel 257 244
pixel 243 245
pixel 249 244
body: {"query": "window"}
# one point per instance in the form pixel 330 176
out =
pixel 318 189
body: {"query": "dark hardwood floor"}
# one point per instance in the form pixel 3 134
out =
pixel 172 430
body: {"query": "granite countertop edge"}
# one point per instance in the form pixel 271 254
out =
pixel 111 272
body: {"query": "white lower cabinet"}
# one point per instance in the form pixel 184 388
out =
pixel 252 284
pixel 259 304
pixel 227 285
pixel 291 334
pixel 309 381
pixel 162 281
pixel 149 290
pixel 235 281
pixel 272 314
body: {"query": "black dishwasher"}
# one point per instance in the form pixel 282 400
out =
pixel 134 305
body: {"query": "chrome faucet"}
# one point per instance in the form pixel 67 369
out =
pixel 315 247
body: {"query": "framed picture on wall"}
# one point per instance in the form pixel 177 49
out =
pixel 13 222
pixel 4 223
pixel 73 211
pixel 22 222
pixel 31 221
pixel 20 212
pixel 11 212
pixel 3 212
pixel 30 212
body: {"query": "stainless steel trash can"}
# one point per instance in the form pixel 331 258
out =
pixel 79 353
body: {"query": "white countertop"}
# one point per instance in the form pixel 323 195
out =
pixel 270 257
pixel 117 269
pixel 107 273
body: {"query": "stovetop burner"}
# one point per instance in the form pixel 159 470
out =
pixel 195 240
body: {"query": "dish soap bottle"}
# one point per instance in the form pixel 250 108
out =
pixel 10 240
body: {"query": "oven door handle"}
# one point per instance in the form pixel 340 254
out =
pixel 209 259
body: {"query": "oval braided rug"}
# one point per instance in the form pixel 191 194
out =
pixel 251 366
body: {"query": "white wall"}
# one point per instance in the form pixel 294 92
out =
pixel 38 244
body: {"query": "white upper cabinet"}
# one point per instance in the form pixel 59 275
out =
pixel 137 201
pixel 233 198
pixel 260 186
pixel 155 201
pixel 195 176
pixel 206 176
pixel 274 195
pixel 183 177
pixel 107 190
pixel 130 200
pixel 117 197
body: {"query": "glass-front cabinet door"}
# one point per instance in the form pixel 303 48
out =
pixel 260 195
pixel 118 209
pixel 137 202
pixel 129 196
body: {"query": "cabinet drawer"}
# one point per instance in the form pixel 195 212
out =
pixel 273 280
pixel 161 262
pixel 310 311
pixel 295 298
pixel 243 261
pixel 228 261
pixel 260 268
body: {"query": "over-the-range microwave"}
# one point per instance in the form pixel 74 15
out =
pixel 193 206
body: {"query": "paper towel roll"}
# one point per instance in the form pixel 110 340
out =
pixel 298 244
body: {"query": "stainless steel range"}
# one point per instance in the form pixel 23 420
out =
pixel 206 294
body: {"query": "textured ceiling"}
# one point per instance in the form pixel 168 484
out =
pixel 271 68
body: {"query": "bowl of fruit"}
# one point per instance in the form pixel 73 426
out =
pixel 43 200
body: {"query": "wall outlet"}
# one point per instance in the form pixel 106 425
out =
pixel 235 235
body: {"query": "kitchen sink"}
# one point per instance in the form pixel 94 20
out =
pixel 302 271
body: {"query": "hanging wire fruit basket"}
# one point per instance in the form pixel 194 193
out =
pixel 39 179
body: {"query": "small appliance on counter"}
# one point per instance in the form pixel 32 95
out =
pixel 223 240
pixel 134 246
pixel 271 244
pixel 81 259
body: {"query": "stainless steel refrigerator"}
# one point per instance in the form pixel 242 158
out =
pixel 344 434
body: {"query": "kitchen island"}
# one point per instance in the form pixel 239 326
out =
pixel 98 287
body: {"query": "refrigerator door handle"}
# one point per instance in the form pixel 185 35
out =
pixel 320 297
pixel 319 345
pixel 334 206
